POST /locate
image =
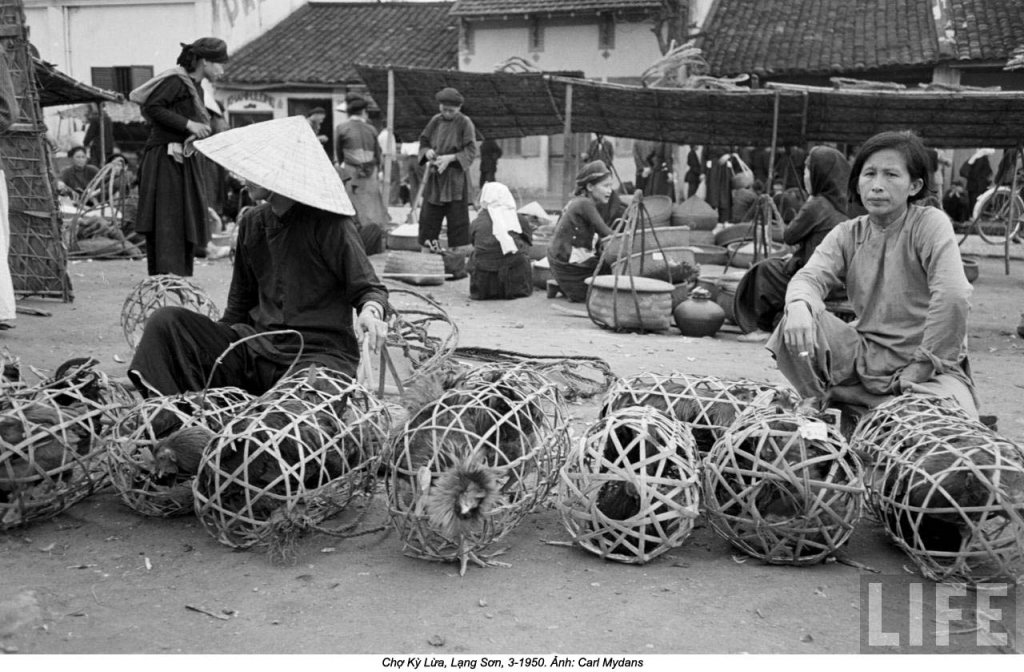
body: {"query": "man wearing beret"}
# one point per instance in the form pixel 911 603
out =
pixel 448 147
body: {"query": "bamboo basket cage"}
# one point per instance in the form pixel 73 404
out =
pixel 629 490
pixel 506 422
pixel 783 487
pixel 158 291
pixel 706 404
pixel 136 438
pixel 295 456
pixel 51 442
pixel 949 491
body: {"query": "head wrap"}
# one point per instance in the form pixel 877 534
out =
pixel 595 171
pixel 212 49
pixel 355 103
pixel 449 96
pixel 501 206
pixel 830 173
pixel 316 110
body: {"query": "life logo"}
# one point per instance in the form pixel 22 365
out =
pixel 904 614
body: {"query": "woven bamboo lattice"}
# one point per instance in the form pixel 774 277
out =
pixel 949 491
pixel 147 478
pixel 38 258
pixel 629 490
pixel 157 291
pixel 466 469
pixel 707 404
pixel 294 457
pixel 783 487
pixel 421 338
pixel 51 452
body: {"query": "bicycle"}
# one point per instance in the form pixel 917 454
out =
pixel 992 218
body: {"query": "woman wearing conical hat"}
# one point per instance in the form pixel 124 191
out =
pixel 172 185
pixel 299 265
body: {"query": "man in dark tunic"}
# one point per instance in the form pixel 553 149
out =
pixel 448 147
pixel 299 266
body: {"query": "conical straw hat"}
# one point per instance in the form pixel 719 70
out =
pixel 284 156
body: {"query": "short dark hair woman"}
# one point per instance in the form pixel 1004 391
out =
pixel 903 274
pixel 571 254
pixel 172 185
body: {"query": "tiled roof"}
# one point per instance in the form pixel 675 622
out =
pixel 774 37
pixel 778 37
pixel 319 43
pixel 470 8
pixel 987 29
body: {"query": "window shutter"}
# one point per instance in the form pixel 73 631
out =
pixel 140 75
pixel 103 78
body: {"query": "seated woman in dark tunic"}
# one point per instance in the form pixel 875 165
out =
pixel 499 267
pixel 762 292
pixel 571 253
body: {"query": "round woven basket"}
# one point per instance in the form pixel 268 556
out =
pixel 149 484
pixel 629 490
pixel 949 491
pixel 465 470
pixel 158 291
pixel 625 303
pixel 51 448
pixel 708 405
pixel 783 487
pixel 295 456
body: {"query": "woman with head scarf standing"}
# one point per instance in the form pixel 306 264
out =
pixel 571 253
pixel 499 267
pixel 761 295
pixel 902 270
pixel 172 201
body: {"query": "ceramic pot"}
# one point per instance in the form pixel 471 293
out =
pixel 699 315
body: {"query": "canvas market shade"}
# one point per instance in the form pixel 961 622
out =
pixel 515 105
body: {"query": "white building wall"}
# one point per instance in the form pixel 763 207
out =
pixel 567 45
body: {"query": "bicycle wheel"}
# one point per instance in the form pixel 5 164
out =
pixel 992 215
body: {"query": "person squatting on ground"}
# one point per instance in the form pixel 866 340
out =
pixel 359 158
pixel 499 266
pixel 571 254
pixel 448 148
pixel 762 292
pixel 903 273
pixel 299 265
pixel 172 184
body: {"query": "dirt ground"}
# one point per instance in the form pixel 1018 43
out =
pixel 101 579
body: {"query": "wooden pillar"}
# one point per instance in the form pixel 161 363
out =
pixel 103 135
pixel 389 151
pixel 567 148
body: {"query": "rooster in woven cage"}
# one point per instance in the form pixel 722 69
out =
pixel 459 457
